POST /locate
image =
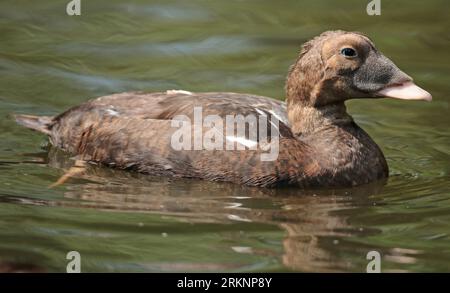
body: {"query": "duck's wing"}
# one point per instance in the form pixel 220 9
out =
pixel 146 145
pixel 136 131
pixel 171 104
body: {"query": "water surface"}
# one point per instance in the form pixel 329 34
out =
pixel 126 222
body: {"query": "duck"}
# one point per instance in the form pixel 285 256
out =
pixel 317 142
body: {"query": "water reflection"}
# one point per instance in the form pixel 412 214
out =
pixel 311 220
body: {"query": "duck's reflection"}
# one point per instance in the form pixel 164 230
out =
pixel 313 220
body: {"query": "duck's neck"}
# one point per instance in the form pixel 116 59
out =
pixel 345 153
pixel 308 120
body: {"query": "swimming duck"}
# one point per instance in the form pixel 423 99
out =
pixel 317 142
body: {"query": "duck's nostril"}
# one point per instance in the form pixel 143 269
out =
pixel 396 84
pixel 399 78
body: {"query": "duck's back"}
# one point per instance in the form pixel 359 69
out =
pixel 135 131
pixel 166 105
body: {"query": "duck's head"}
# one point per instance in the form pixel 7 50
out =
pixel 338 65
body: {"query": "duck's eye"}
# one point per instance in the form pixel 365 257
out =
pixel 348 52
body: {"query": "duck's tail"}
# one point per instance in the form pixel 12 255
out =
pixel 38 123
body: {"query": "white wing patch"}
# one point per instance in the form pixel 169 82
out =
pixel 173 92
pixel 277 116
pixel 260 112
pixel 246 142
pixel 112 112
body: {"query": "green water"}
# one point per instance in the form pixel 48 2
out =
pixel 127 222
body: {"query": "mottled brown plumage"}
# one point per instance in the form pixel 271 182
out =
pixel 319 144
